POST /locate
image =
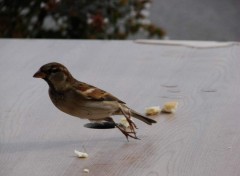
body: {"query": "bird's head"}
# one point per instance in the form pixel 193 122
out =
pixel 56 75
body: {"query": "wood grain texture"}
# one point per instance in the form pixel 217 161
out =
pixel 201 139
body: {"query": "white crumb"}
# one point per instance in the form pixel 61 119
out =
pixel 151 111
pixel 81 154
pixel 124 122
pixel 170 107
pixel 86 170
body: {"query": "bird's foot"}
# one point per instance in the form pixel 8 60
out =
pixel 131 134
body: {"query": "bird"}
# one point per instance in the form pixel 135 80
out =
pixel 86 101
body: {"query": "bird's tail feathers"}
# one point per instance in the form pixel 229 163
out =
pixel 142 117
pixel 126 111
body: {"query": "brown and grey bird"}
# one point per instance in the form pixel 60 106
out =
pixel 86 101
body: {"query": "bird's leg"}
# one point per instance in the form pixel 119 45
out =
pixel 126 133
pixel 132 125
pixel 130 121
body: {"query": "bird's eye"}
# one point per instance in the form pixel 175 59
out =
pixel 54 70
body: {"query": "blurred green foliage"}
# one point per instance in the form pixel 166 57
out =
pixel 78 19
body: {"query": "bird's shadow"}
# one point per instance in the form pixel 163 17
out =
pixel 103 125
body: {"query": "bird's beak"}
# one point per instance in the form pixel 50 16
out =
pixel 39 74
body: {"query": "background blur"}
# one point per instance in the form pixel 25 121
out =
pixel 198 19
pixel 121 19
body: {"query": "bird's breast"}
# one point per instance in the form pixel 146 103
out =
pixel 78 107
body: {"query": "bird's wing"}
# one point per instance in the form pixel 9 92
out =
pixel 93 93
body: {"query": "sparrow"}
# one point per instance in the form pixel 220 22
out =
pixel 85 101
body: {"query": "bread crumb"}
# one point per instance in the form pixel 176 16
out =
pixel 151 111
pixel 124 122
pixel 86 170
pixel 81 154
pixel 170 107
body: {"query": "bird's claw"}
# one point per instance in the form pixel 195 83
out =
pixel 132 125
pixel 128 133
